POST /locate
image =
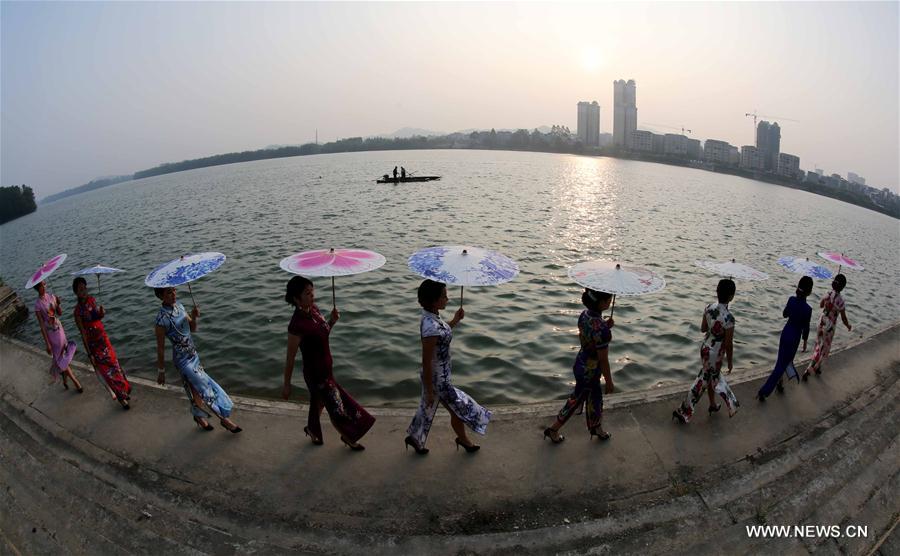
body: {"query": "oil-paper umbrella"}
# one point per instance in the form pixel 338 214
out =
pixel 45 270
pixel 463 265
pixel 733 269
pixel 802 265
pixel 331 263
pixel 184 270
pixel 616 278
pixel 97 270
pixel 841 260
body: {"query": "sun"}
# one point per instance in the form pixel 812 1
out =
pixel 591 59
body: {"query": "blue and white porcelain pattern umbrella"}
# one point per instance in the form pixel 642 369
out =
pixel 463 265
pixel 184 270
pixel 802 265
pixel 616 278
pixel 733 269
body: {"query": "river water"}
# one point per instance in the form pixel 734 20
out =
pixel 518 340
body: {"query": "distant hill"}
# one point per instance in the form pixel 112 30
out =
pixel 96 183
pixel 407 132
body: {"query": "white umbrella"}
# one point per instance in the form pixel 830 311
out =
pixel 616 278
pixel 463 265
pixel 733 269
pixel 331 263
pixel 97 270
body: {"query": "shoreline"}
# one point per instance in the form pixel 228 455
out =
pixel 83 475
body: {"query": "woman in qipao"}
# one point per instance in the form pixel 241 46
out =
pixel 309 332
pixel 718 324
pixel 592 361
pixel 47 310
pixel 174 322
pixel 88 317
pixel 436 386
pixel 832 305
pixel 797 312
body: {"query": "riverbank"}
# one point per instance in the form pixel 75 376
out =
pixel 81 475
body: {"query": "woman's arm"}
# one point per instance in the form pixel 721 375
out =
pixel 293 344
pixel 160 355
pixel 604 369
pixel 43 333
pixel 80 324
pixel 193 317
pixel 429 344
pixel 844 318
pixel 460 315
pixel 703 325
pixel 787 309
pixel 729 347
pixel 333 318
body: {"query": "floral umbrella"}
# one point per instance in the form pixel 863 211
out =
pixel 45 270
pixel 463 265
pixel 733 269
pixel 332 262
pixel 802 265
pixel 97 270
pixel 840 260
pixel 616 278
pixel 184 270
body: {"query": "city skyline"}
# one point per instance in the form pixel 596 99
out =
pixel 103 89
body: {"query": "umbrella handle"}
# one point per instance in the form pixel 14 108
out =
pixel 192 294
pixel 613 308
pixel 98 290
pixel 461 289
pixel 333 299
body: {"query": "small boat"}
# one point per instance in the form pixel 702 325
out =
pixel 406 179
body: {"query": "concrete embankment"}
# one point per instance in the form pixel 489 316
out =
pixel 80 475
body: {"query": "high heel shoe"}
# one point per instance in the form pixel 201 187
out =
pixel 419 449
pixel 199 421
pixel 553 435
pixel 714 408
pixel 233 430
pixel 603 435
pixel 676 416
pixel 355 447
pixel 780 388
pixel 316 441
pixel 470 448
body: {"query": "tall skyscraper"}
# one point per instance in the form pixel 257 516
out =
pixel 768 143
pixel 589 123
pixel 624 113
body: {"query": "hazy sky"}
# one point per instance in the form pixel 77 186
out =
pixel 92 89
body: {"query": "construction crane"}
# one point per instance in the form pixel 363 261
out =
pixel 669 127
pixel 756 116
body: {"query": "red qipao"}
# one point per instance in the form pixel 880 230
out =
pixel 347 416
pixel 100 350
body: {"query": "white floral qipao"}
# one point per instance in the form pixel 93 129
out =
pixel 455 400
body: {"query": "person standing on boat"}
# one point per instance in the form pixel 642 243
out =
pixel 402 172
pixel 395 172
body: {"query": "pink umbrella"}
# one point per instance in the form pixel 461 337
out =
pixel 840 260
pixel 45 270
pixel 331 263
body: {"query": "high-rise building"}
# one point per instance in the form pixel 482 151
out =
pixel 853 177
pixel 624 113
pixel 788 165
pixel 752 158
pixel 589 123
pixel 768 143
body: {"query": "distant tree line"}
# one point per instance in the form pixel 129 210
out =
pixel 90 186
pixel 557 139
pixel 16 201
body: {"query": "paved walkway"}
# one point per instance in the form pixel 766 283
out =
pixel 81 475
